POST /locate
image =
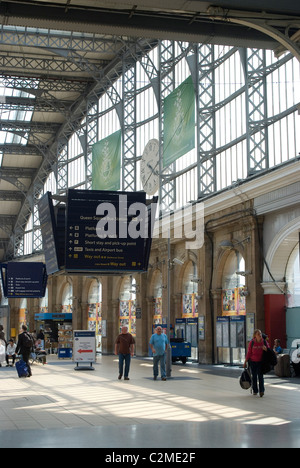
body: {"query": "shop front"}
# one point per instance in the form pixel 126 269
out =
pixel 55 331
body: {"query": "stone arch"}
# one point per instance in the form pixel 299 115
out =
pixel 222 257
pixel 61 287
pixel 280 250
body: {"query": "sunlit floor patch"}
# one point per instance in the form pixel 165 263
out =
pixel 267 421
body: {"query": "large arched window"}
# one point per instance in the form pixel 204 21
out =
pixel 190 290
pixel 236 90
pixel 44 303
pixel 233 285
pixel 23 314
pixel 127 310
pixel 157 297
pixel 94 309
pixel 67 299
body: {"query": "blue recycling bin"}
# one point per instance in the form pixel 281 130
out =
pixel 65 353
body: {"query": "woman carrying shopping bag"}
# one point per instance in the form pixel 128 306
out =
pixel 254 357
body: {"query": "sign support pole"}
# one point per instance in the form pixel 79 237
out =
pixel 169 350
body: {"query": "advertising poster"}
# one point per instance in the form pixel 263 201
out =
pixel 106 163
pixel 128 316
pixel 189 306
pixel 179 122
pixel 233 302
pixel 229 302
pixel 157 317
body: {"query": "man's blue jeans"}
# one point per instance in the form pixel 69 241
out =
pixel 126 358
pixel 162 360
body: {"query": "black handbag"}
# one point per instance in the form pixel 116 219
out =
pixel 246 380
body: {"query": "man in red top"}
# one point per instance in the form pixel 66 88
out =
pixel 254 356
pixel 124 347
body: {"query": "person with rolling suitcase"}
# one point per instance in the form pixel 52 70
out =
pixel 24 347
pixel 22 369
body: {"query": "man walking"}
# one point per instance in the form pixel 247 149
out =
pixel 25 346
pixel 124 347
pixel 159 346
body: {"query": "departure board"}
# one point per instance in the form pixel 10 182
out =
pixel 107 231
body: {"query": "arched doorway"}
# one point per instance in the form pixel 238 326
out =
pixel 281 284
pixel 59 331
pixel 293 296
pixel 231 324
pixel 190 306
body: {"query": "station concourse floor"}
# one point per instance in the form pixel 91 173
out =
pixel 198 407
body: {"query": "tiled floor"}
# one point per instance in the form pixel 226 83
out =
pixel 200 406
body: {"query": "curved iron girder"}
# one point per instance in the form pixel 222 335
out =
pixel 74 121
pixel 290 45
pixel 261 26
pixel 13 176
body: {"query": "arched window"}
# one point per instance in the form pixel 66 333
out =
pixel 157 298
pixel 95 310
pixel 23 313
pixel 127 310
pixel 190 290
pixel 233 285
pixel 67 299
pixel 44 303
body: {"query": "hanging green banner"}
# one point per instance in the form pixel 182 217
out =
pixel 106 163
pixel 179 122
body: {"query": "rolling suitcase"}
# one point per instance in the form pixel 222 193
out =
pixel 22 369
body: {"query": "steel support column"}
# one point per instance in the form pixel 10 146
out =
pixel 206 119
pixel 256 110
pixel 167 85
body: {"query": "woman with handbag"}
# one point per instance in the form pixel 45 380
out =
pixel 256 348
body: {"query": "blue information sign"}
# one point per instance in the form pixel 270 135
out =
pixel 107 231
pixel 24 279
